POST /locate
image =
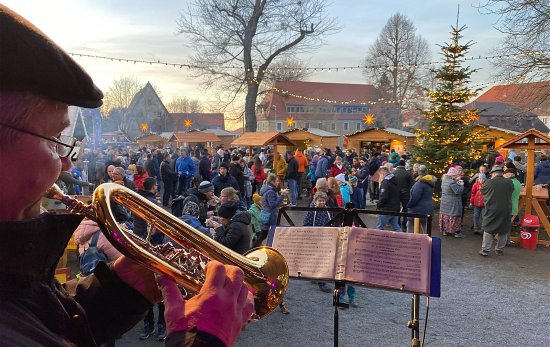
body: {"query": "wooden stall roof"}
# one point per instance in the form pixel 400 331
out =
pixel 151 138
pixel 262 138
pixel 494 132
pixel 194 137
pixel 520 141
pixel 389 131
pixel 312 131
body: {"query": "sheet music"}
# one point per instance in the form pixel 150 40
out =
pixel 309 251
pixel 389 259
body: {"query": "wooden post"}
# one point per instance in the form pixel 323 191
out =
pixel 530 179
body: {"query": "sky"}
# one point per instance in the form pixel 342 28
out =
pixel 146 30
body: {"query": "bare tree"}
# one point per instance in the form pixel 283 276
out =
pixel 287 69
pixel 393 60
pixel 184 105
pixel 120 94
pixel 236 41
pixel 526 24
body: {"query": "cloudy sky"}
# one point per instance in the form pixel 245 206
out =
pixel 146 30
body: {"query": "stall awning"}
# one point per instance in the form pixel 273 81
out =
pixel 264 138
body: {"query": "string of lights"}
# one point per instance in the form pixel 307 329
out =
pixel 307 69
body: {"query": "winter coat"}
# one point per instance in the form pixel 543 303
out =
pixel 83 236
pixel 204 168
pixel 248 178
pixel 151 167
pixel 39 311
pixel 219 182
pixel 292 169
pixel 476 198
pixel 317 218
pixel 236 171
pixel 271 200
pixel 405 181
pixel 542 172
pixel 357 198
pixel 301 160
pixel 421 195
pixel 254 212
pixel 322 167
pixel 196 164
pixel 166 173
pixel 259 177
pixel 498 205
pixel 236 236
pixel 389 195
pixel 335 171
pixel 515 196
pixel 281 168
pixel 451 197
pixel 345 192
pixel 185 166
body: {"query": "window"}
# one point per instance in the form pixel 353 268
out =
pixel 545 120
pixel 346 126
pixel 358 126
pixel 320 125
pixel 306 125
pixel 279 126
pixel 333 126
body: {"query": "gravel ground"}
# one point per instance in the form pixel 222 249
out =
pixel 485 301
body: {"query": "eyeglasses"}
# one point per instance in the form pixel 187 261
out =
pixel 64 145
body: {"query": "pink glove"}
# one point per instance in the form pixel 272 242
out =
pixel 138 277
pixel 222 307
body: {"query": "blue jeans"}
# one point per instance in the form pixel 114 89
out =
pixel 383 220
pixel 478 212
pixel 351 293
pixel 293 186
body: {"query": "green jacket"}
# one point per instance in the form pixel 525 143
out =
pixel 498 205
pixel 515 196
pixel 254 211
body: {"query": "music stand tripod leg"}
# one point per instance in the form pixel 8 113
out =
pixel 338 289
pixel 414 323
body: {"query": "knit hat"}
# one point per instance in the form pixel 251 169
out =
pixel 499 159
pixel 32 62
pixel 341 177
pixel 496 168
pixel 422 170
pixel 482 176
pixel 227 210
pixel 353 180
pixel 257 198
pixel 206 187
pixel 452 172
pixel 191 209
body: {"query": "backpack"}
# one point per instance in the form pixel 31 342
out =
pixel 92 256
pixel 264 217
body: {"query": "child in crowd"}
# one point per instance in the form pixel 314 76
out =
pixel 345 189
pixel 254 211
pixel 357 193
pixel 335 189
pixel 477 202
pixel 318 218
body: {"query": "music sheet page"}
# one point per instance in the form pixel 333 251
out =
pixel 388 259
pixel 310 252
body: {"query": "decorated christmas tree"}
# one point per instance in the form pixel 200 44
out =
pixel 449 136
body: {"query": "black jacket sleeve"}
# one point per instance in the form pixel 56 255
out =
pixel 192 338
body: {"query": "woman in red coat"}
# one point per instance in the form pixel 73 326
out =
pixel 337 168
pixel 140 176
pixel 259 174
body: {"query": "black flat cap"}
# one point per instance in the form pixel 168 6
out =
pixel 30 61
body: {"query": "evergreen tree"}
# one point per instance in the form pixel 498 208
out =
pixel 449 136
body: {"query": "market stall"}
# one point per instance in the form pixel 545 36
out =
pixel 262 139
pixel 312 137
pixel 376 138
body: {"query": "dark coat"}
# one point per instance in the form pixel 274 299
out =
pixel 389 195
pixel 542 172
pixel 220 182
pixel 166 172
pixel 322 167
pixel 292 169
pixel 236 171
pixel 204 168
pixel 421 196
pixel 236 236
pixel 405 181
pixel 498 205
pixel 271 200
pixel 38 311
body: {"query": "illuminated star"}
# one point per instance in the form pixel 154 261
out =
pixel 144 127
pixel 290 121
pixel 188 123
pixel 369 119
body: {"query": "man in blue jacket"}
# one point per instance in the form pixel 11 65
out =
pixel 186 171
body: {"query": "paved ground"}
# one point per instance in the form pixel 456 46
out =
pixel 493 301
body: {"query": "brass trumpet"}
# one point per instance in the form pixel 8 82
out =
pixel 265 269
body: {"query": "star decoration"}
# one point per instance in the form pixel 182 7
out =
pixel 188 123
pixel 290 121
pixel 143 127
pixel 369 119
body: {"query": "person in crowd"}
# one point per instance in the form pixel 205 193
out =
pixel 230 194
pixel 357 196
pixel 389 200
pixel 259 174
pixel 272 197
pixel 190 215
pixel 39 81
pixel 232 227
pixel 321 185
pixel 224 180
pixel 334 187
pixel 318 218
pixel 374 178
pixel 450 208
pixel 322 169
pixel 168 176
pixel 204 167
pixel 186 171
pixel 254 211
pixel 405 182
pixel 83 236
pixel 173 159
pixel 69 181
pixel 482 170
pixel 542 170
pixel 202 197
pixel 498 209
pixel 280 170
pixel 76 172
pixel 421 199
pixel 108 176
pixel 414 171
pixel 511 174
pixel 248 179
pixel 477 202
pixel 393 158
pixel 363 178
pixel 140 176
pixel 150 166
pixel 237 172
pixel 337 168
pixel 291 177
pixel 466 189
pixel 345 189
pixel 217 160
pixel 303 164
pixel 313 166
pixel 119 176
pixel 195 157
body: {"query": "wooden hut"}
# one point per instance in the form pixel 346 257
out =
pixel 225 136
pixel 193 138
pixel 151 139
pixel 312 137
pixel 261 139
pixel 377 137
pixel 493 137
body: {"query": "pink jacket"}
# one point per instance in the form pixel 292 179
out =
pixel 83 237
